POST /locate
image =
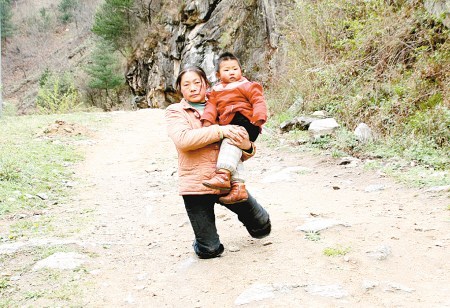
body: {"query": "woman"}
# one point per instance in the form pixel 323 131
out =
pixel 198 148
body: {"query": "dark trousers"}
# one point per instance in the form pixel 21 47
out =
pixel 252 130
pixel 200 209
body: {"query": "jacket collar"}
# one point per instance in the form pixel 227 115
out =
pixel 186 106
pixel 184 103
pixel 220 86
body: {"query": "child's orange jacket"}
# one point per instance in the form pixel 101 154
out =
pixel 241 96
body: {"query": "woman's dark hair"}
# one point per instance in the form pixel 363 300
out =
pixel 226 56
pixel 198 70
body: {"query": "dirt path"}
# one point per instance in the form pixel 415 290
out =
pixel 140 238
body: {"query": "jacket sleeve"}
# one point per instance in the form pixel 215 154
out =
pixel 184 136
pixel 210 112
pixel 256 97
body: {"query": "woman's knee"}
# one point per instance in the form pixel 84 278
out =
pixel 256 219
pixel 261 231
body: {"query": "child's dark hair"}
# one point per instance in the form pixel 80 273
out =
pixel 198 70
pixel 226 56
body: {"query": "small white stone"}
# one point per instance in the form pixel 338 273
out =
pixel 233 248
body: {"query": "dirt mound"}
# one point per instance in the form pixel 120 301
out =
pixel 62 128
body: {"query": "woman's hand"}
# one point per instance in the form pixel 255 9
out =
pixel 237 135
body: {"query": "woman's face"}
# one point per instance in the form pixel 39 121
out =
pixel 193 87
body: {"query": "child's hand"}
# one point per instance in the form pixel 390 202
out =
pixel 259 123
pixel 206 123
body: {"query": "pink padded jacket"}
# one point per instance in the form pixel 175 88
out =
pixel 197 146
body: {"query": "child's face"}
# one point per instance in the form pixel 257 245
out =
pixel 193 87
pixel 230 71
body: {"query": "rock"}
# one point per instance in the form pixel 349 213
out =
pixel 256 292
pixel 187 263
pixel 301 123
pixel 321 114
pixel 363 133
pixel 184 223
pixel 440 9
pixel 392 287
pixel 286 174
pixel 380 253
pixel 333 290
pixel 375 187
pixel 233 248
pixel 42 196
pixel 368 284
pixel 318 224
pixel 10 248
pixel 61 260
pixel 296 106
pixel 139 102
pixel 352 161
pixel 322 127
pixel 438 188
pixel 129 299
pixel 142 276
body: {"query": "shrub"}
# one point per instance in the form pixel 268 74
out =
pixel 9 171
pixel 7 27
pixel 57 94
pixel 66 9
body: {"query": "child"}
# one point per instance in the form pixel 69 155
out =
pixel 233 100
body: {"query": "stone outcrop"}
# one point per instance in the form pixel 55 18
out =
pixel 439 8
pixel 196 32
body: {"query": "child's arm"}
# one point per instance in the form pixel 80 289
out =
pixel 256 98
pixel 259 123
pixel 210 113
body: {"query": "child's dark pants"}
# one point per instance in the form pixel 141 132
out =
pixel 252 130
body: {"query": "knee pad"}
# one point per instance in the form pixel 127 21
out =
pixel 260 232
pixel 208 254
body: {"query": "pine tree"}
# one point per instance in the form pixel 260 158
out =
pixel 104 70
pixel 112 22
pixel 6 15
pixel 67 9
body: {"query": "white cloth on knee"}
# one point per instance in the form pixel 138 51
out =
pixel 229 157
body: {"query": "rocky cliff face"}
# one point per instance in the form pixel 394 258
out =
pixel 440 8
pixel 196 32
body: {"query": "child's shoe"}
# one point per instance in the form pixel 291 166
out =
pixel 237 194
pixel 220 181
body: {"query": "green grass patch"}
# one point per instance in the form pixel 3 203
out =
pixel 313 236
pixel 33 295
pixel 35 168
pixel 4 283
pixel 336 251
pixel 29 228
pixel 46 251
pixel 32 163
pixel 415 163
